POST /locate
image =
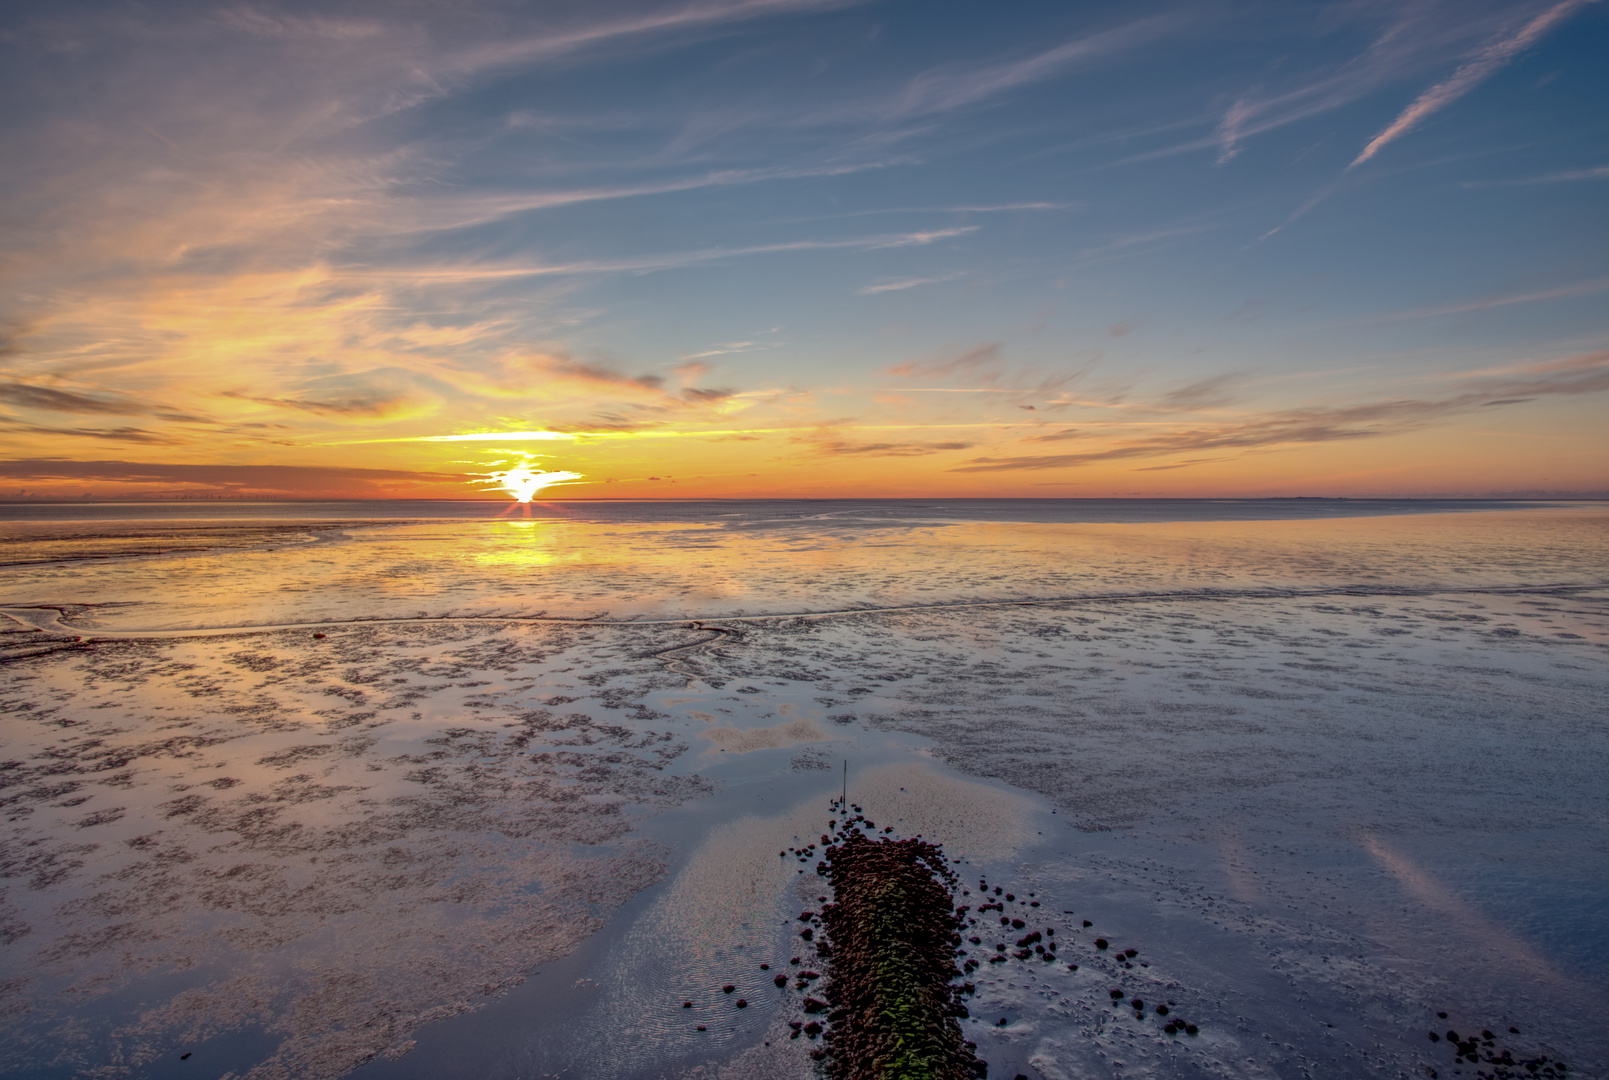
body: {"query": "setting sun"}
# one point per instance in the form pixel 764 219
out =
pixel 524 483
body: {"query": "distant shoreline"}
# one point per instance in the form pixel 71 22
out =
pixel 241 500
pixel 842 515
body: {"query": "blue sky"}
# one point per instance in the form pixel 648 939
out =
pixel 783 247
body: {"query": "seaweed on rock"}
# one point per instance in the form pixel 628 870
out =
pixel 891 936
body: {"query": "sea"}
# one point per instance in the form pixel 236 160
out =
pixel 474 788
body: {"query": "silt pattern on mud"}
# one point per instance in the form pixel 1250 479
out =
pixel 329 841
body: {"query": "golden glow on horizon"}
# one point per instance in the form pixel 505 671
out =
pixel 490 436
pixel 700 433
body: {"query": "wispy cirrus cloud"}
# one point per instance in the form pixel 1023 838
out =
pixel 691 365
pixel 1584 374
pixel 903 284
pixel 53 399
pixel 483 270
pixel 1190 464
pixel 1211 392
pixel 234 244
pixel 1415 38
pixel 556 378
pixel 1597 172
pixel 1001 208
pixel 1482 66
pixel 444 213
pixel 385 393
pixel 835 446
pixel 943 89
pixel 1476 69
pixel 166 478
pixel 631 28
pixel 986 364
pixel 120 434
pixel 1590 287
pixel 1304 426
pixel 970 361
pixel 438 53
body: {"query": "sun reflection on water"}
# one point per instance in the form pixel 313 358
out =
pixel 530 544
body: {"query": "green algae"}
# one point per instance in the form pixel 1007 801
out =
pixel 892 932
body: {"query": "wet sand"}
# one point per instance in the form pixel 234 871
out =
pixel 1327 807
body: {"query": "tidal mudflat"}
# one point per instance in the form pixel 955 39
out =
pixel 353 793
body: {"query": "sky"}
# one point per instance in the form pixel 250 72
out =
pixel 804 248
